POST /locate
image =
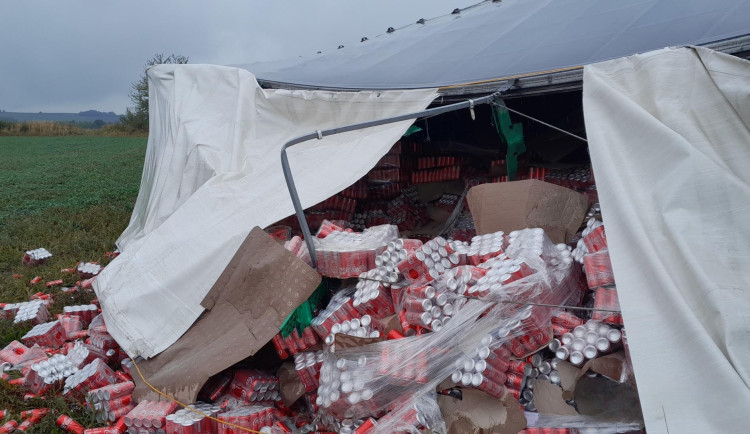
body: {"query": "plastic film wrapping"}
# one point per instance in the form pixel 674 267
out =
pixel 487 328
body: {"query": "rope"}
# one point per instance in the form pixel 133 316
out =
pixel 527 303
pixel 241 428
pixel 542 122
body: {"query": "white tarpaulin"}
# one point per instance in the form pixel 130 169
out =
pixel 669 139
pixel 213 172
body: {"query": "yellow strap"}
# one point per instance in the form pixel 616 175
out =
pixel 241 428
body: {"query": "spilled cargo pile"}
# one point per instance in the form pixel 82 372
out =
pixel 502 332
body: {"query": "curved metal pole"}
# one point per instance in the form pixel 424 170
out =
pixel 470 104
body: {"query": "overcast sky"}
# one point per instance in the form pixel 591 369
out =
pixel 69 56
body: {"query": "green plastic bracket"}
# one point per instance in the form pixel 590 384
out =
pixel 512 136
pixel 412 129
pixel 303 314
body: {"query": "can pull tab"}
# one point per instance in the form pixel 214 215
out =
pixel 471 110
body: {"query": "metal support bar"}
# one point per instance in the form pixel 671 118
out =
pixel 322 133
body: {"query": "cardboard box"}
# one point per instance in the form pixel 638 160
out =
pixel 510 206
pixel 260 287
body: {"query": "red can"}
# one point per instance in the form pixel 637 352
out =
pixel 516 366
pixel 37 412
pixel 35 280
pixel 104 430
pixel 28 423
pixel 516 393
pixel 67 424
pixel 491 388
pixel 9 427
pixel 309 337
pixel 514 380
pixel 566 319
pixel 278 343
pixel 558 330
pixel 596 240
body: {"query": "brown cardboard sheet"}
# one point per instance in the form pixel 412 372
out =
pixel 260 287
pixel 509 206
pixel 481 413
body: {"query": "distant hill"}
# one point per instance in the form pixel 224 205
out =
pixel 80 117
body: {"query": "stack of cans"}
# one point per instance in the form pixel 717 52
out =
pixel 87 270
pixel 149 416
pixel 34 311
pixel 14 353
pixel 308 366
pixel 73 327
pixel 111 402
pixel 339 309
pixel 348 254
pixel 49 334
pixel 606 298
pixel 294 342
pixel 297 246
pixel 186 421
pixel 36 256
pixel 448 173
pixel 344 384
pixel 598 269
pixel 429 261
pixel 85 312
pixel 254 386
pixel 82 354
pixel 386 264
pixel 485 247
pixel 372 297
pixel 357 327
pixel 422 306
pixel 253 417
pixel 586 341
pixel 92 376
pixel 594 236
pixel 483 369
pixel 46 373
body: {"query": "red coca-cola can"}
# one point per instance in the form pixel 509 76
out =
pixel 495 375
pixel 309 337
pixel 491 388
pixel 498 362
pixel 514 380
pixel 37 412
pixel 596 240
pixel 517 347
pixel 559 330
pixel 9 427
pixel 278 343
pixel 566 319
pixel 67 424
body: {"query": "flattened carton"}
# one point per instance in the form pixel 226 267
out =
pixel 509 206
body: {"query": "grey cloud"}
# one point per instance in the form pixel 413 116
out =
pixel 78 55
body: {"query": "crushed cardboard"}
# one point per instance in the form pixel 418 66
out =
pixel 548 399
pixel 478 412
pixel 290 385
pixel 510 206
pixel 260 287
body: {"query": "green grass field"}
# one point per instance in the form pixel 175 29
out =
pixel 73 196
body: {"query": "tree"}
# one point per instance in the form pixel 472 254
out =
pixel 136 116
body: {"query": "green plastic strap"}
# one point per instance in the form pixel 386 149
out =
pixel 512 136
